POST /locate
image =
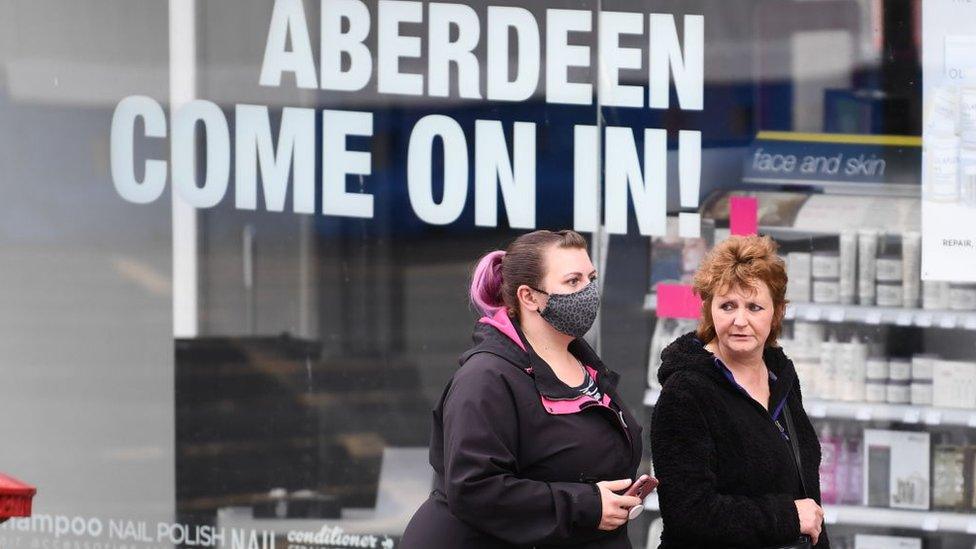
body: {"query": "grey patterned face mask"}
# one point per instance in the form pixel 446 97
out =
pixel 572 314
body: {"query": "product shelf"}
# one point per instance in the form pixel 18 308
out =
pixel 928 521
pixel 871 411
pixel 896 316
pixel 904 413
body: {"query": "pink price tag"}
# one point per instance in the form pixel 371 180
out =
pixel 677 301
pixel 743 215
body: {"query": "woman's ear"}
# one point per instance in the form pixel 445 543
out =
pixel 779 312
pixel 528 298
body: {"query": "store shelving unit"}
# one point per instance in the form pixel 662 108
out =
pixel 804 227
pixel 926 521
pixel 895 316
pixel 870 411
pixel 855 515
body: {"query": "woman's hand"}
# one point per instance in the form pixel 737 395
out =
pixel 811 518
pixel 615 507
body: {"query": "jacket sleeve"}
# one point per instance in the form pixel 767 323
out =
pixel 481 471
pixel 686 462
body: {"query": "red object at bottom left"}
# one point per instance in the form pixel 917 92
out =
pixel 15 498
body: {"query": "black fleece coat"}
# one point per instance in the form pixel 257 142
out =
pixel 727 472
pixel 510 473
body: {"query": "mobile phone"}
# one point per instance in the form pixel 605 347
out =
pixel 644 485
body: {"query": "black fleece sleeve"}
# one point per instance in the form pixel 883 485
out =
pixel 482 480
pixel 685 461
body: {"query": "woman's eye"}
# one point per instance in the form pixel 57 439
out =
pixel 755 308
pixel 726 306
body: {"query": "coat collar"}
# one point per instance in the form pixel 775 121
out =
pixel 502 336
pixel 689 354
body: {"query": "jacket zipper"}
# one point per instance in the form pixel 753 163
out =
pixel 760 407
pixel 776 422
pixel 619 415
pixel 782 431
pixel 764 411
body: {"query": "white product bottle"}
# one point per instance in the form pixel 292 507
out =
pixel 941 168
pixel 944 110
pixel 967 186
pixel 798 269
pixel 858 369
pixel 844 371
pixel 967 109
pixel 867 252
pixel 848 266
pixel 911 252
pixel 967 168
pixel 828 382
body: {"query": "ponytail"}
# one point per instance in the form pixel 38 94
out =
pixel 486 283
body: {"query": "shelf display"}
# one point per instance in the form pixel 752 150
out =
pixel 875 316
pixel 869 411
pixel 665 331
pixel 841 467
pixel 862 541
pixel 896 468
pixel 869 267
pixel 926 521
pixel 885 360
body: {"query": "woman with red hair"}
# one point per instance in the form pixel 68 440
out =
pixel 721 435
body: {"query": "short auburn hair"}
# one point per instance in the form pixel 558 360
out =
pixel 741 262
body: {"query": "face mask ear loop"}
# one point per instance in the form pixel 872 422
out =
pixel 538 311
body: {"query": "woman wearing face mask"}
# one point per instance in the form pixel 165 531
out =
pixel 720 434
pixel 530 440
